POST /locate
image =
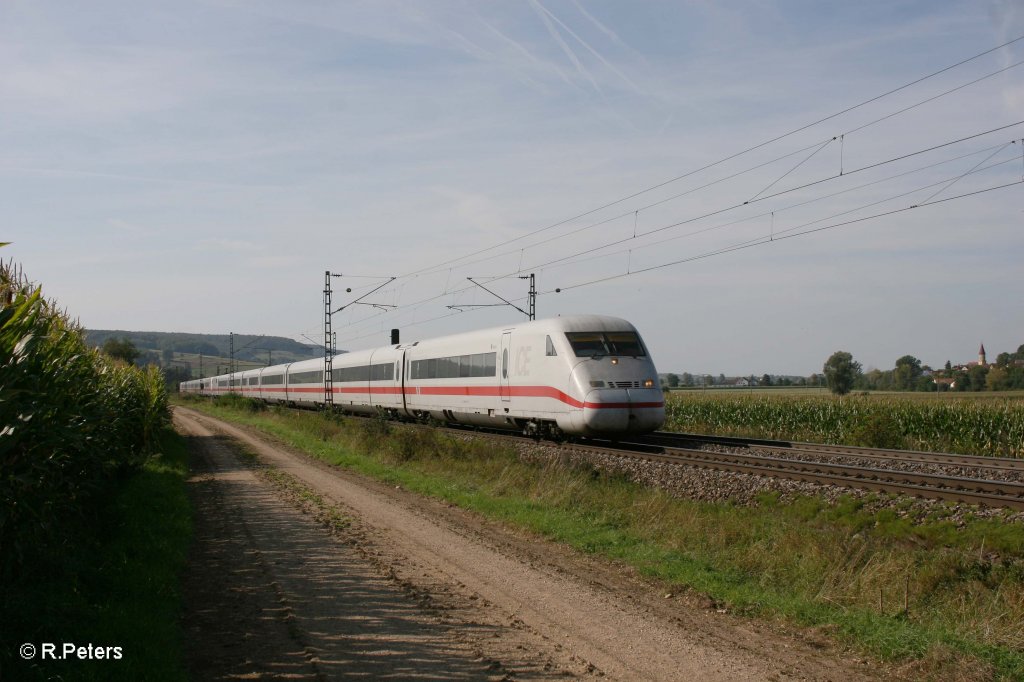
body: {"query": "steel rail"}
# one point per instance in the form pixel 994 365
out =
pixel 935 486
pixel 671 439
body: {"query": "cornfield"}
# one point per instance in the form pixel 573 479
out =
pixel 71 420
pixel 990 427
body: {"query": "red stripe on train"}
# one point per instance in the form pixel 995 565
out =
pixel 476 391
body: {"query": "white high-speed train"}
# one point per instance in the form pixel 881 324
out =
pixel 585 375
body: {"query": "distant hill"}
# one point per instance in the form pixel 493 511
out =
pixel 207 354
pixel 211 344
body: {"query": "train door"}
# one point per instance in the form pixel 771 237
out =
pixel 400 378
pixel 504 369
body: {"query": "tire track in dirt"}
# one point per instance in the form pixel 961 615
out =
pixel 270 594
pixel 530 607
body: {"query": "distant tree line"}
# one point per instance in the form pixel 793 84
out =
pixel 687 380
pixel 843 374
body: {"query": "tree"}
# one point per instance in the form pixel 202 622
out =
pixel 908 370
pixel 997 379
pixel 977 375
pixel 841 371
pixel 174 376
pixel 766 380
pixel 121 349
pixel 673 380
pixel 875 380
pixel 687 379
pixel 949 365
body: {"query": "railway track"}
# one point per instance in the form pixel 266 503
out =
pixel 815 463
pixel 684 440
pixel 811 462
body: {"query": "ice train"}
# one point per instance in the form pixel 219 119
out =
pixel 580 375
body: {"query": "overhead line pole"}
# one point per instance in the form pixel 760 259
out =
pixel 532 305
pixel 532 296
pixel 328 346
pixel 330 340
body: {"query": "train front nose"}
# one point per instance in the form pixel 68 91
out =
pixel 623 410
pixel 606 411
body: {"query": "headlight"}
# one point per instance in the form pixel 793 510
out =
pixel 648 383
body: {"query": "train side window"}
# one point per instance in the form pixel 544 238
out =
pixel 504 364
pixel 479 365
pixel 550 348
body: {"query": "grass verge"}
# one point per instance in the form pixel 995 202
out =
pixel 942 600
pixel 115 584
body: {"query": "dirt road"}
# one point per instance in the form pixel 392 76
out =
pixel 406 587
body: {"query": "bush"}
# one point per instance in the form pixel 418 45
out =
pixel 236 401
pixel 879 431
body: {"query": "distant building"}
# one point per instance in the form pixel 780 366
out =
pixel 980 362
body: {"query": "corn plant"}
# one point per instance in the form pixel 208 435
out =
pixel 968 426
pixel 70 420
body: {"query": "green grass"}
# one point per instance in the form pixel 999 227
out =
pixel 837 568
pixel 115 583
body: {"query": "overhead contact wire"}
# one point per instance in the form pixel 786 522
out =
pixel 733 156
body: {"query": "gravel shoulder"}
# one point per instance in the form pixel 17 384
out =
pixel 411 587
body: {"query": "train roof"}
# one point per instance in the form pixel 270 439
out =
pixel 567 323
pixel 550 325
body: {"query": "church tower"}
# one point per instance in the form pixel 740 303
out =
pixel 981 356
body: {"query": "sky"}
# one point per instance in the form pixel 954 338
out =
pixel 736 179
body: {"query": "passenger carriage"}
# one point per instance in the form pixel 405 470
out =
pixel 579 375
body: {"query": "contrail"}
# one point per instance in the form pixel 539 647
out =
pixel 546 17
pixel 592 51
pixel 519 47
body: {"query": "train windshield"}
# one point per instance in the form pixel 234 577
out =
pixel 596 344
